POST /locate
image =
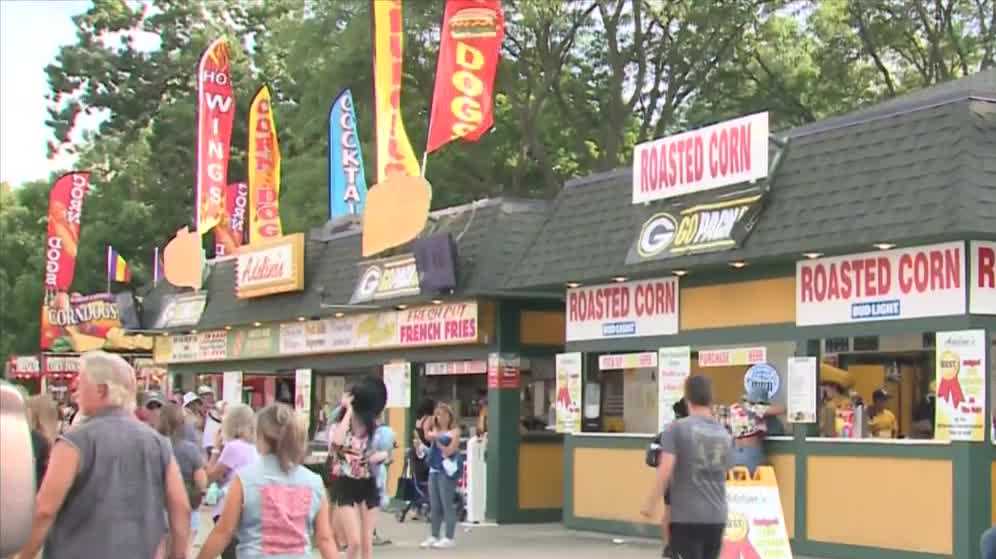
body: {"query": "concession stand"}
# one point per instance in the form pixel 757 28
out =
pixel 431 318
pixel 829 263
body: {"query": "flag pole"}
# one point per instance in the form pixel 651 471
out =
pixel 108 269
pixel 155 266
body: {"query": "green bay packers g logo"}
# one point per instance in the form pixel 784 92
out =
pixel 656 235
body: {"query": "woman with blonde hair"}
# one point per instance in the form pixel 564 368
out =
pixel 43 419
pixel 275 507
pixel 443 434
pixel 237 449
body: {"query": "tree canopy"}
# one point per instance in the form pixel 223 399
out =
pixel 579 84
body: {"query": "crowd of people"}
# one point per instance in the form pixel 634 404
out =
pixel 123 474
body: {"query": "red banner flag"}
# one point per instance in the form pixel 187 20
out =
pixel 215 113
pixel 229 233
pixel 463 99
pixel 65 207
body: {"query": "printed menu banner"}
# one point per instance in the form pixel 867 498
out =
pixel 469 50
pixel 264 170
pixel 302 392
pixel 733 356
pixel 627 361
pixel 755 523
pixel 623 310
pixel 730 152
pixel 84 323
pixel 568 402
pixel 674 364
pixel 447 324
pixel 347 184
pixel 394 151
pixel 231 387
pixel 801 401
pixel 982 294
pixel 215 114
pixel 398 380
pixel 65 212
pixel 885 285
pixel 961 386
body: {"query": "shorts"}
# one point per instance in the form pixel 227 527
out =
pixel 696 541
pixel 347 492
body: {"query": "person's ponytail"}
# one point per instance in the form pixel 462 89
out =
pixel 284 435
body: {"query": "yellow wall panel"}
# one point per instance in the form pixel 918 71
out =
pixel 542 328
pixel 611 484
pixel 396 418
pixel 784 465
pixel 868 501
pixel 749 303
pixel 541 476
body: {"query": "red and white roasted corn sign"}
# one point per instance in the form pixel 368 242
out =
pixel 885 285
pixel 622 310
pixel 727 153
pixel 982 294
pixel 215 112
pixel 463 99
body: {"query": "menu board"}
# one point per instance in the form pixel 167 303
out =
pixel 674 364
pixel 398 380
pixel 801 402
pixel 568 395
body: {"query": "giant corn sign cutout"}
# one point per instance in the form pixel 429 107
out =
pixel 264 170
pixel 462 102
pixel 215 113
pixel 398 205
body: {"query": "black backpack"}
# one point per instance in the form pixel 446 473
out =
pixel 654 450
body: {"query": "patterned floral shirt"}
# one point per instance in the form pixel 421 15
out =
pixel 350 459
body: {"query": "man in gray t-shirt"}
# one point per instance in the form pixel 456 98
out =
pixel 696 453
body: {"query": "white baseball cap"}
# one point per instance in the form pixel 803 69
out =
pixel 190 398
pixel 204 389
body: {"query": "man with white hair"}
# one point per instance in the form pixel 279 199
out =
pixel 109 479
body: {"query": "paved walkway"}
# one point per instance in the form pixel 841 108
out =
pixel 549 541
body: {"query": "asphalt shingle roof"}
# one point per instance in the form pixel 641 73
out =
pixel 919 167
pixel 492 236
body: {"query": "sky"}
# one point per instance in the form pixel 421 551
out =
pixel 31 32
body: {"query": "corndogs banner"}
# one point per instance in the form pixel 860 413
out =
pixel 230 233
pixel 264 170
pixel 394 152
pixel 85 323
pixel 65 208
pixel 347 185
pixel 215 112
pixel 462 102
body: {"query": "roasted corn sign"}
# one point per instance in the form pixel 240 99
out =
pixel 713 227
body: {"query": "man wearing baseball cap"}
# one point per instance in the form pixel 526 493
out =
pixel 151 403
pixel 192 413
pixel 882 422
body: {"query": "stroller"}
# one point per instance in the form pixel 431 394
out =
pixel 415 493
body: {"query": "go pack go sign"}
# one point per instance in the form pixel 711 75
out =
pixel 702 228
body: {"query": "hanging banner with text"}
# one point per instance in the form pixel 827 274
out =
pixel 727 153
pixel 398 380
pixel 231 387
pixel 982 293
pixel 623 310
pixel 885 285
pixel 619 362
pixel 961 386
pixel 733 356
pixel 674 364
pixel 568 394
pixel 801 401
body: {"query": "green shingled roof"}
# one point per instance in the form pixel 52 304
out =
pixel 493 235
pixel 916 169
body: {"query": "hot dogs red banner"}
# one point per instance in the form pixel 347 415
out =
pixel 65 210
pixel 229 235
pixel 463 100
pixel 215 112
pixel 885 285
